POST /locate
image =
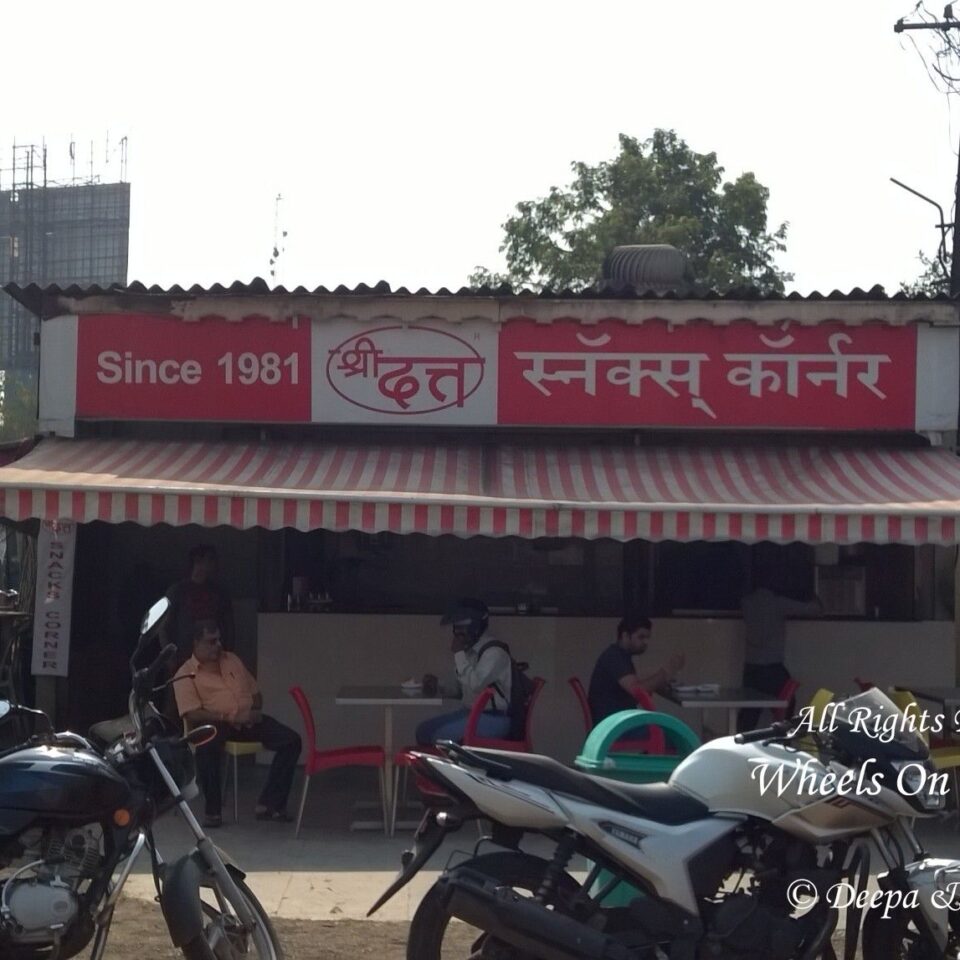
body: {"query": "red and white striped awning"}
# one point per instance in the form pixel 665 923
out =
pixel 811 494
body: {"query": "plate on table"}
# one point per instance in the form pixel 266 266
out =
pixel 696 689
pixel 412 688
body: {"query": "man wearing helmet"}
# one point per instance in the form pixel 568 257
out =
pixel 479 663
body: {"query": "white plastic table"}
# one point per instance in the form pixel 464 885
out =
pixel 387 698
pixel 731 699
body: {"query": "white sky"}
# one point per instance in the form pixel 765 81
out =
pixel 402 134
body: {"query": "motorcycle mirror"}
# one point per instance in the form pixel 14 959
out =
pixel 4 708
pixel 154 617
pixel 199 736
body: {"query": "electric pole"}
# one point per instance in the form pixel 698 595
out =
pixel 948 23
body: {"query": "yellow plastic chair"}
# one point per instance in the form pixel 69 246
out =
pixel 944 758
pixel 907 703
pixel 818 705
pixel 234 749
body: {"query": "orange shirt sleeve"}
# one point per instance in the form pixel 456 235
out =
pixel 186 693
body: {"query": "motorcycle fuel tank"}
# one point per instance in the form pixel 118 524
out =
pixel 760 780
pixel 76 785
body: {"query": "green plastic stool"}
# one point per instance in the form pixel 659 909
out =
pixel 597 759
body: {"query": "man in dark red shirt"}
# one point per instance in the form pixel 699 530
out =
pixel 199 597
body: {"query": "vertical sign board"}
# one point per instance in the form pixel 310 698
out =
pixel 56 546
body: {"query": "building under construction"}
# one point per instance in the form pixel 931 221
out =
pixel 66 232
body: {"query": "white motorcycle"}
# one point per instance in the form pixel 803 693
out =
pixel 751 850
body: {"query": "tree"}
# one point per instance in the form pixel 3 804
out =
pixel 18 405
pixel 934 279
pixel 655 191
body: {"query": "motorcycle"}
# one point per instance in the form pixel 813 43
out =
pixel 76 813
pixel 751 850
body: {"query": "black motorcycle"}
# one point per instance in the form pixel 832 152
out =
pixel 76 813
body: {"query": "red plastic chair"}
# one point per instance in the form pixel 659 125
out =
pixel 577 687
pixel 320 760
pixel 787 692
pixel 471 739
pixel 654 742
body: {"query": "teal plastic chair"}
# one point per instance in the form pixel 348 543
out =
pixel 599 759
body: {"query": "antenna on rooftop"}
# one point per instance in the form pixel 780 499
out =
pixel 279 240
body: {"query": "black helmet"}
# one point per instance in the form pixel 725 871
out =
pixel 468 614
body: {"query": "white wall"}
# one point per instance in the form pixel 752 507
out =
pixel 322 652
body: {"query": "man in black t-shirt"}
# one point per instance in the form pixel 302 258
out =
pixel 614 684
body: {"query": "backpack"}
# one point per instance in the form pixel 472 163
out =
pixel 521 689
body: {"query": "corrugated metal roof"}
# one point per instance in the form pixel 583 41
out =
pixel 33 295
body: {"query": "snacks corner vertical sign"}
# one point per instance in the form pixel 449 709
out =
pixel 137 367
pixel 56 548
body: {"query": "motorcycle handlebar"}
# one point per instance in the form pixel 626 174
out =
pixel 141 689
pixel 779 729
pixel 143 679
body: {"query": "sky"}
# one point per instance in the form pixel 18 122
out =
pixel 401 135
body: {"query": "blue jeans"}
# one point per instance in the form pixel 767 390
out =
pixel 450 726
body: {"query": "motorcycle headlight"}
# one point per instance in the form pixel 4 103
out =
pixel 920 783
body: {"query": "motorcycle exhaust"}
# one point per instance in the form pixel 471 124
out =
pixel 523 923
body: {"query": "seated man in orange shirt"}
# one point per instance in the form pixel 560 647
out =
pixel 223 692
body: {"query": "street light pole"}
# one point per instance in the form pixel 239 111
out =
pixel 943 26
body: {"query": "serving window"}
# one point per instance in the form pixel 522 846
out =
pixel 863 581
pixel 414 573
pixel 420 574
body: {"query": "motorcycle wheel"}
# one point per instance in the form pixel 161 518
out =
pixel 432 934
pixel 223 938
pixel 894 937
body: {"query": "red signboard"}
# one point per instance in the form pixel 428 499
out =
pixel 149 367
pixel 828 376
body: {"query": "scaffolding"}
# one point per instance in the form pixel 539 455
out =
pixel 64 232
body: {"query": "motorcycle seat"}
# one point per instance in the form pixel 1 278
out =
pixel 109 731
pixel 658 802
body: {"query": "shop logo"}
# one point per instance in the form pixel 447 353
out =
pixel 405 370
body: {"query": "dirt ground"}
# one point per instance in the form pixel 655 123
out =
pixel 138 933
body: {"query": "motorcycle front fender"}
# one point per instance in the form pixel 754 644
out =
pixel 180 900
